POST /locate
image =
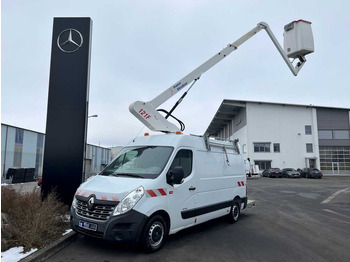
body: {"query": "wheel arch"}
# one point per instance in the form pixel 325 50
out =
pixel 237 199
pixel 165 215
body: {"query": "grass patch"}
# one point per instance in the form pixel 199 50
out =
pixel 30 222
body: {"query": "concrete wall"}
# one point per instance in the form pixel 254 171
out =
pixel 281 124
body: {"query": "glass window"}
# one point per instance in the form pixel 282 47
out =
pixel 17 159
pixel 341 134
pixel 263 164
pixel 244 148
pixel 308 130
pixel 183 158
pixel 276 147
pixel 309 148
pixel 262 147
pixel 325 134
pixel 140 161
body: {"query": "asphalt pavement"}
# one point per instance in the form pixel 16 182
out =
pixel 293 220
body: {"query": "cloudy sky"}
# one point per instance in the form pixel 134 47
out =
pixel 140 48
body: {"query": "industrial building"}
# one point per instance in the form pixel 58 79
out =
pixel 287 135
pixel 23 148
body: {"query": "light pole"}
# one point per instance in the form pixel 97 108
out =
pixel 85 159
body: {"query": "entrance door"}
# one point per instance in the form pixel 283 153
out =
pixel 312 163
pixel 335 168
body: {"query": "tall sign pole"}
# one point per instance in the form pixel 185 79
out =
pixel 66 126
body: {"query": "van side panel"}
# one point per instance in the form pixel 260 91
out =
pixel 219 181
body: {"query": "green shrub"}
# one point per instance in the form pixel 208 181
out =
pixel 32 223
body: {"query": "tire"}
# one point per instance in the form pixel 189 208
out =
pixel 154 234
pixel 235 212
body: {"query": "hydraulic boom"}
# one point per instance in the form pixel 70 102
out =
pixel 147 112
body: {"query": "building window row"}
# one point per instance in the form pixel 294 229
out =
pixel 265 147
pixel 334 134
pixel 262 147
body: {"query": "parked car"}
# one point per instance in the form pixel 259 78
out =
pixel 290 173
pixel 272 172
pixel 311 173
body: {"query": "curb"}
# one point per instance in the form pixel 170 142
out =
pixel 50 250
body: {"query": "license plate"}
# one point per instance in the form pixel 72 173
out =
pixel 87 225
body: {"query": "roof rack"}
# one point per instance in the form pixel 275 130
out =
pixel 210 141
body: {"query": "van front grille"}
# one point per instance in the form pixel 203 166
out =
pixel 98 212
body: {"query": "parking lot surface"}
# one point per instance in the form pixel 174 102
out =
pixel 293 220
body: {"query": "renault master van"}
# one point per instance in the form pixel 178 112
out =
pixel 158 185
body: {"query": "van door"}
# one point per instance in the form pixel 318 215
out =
pixel 182 198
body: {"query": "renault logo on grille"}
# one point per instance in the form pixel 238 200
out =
pixel 91 202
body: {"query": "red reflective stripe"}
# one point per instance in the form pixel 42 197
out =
pixel 115 198
pixel 151 193
pixel 161 190
pixel 301 20
pixel 239 183
pixel 242 183
pixel 103 197
pixel 84 194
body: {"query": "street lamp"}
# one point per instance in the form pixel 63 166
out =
pixel 86 146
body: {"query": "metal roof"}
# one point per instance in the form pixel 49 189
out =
pixel 227 110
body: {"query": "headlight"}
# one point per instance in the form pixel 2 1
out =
pixel 74 203
pixel 129 201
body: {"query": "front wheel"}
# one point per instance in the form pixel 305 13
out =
pixel 234 213
pixel 154 234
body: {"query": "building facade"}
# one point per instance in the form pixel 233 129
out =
pixel 286 135
pixel 22 148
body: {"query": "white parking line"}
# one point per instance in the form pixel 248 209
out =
pixel 336 213
pixel 331 197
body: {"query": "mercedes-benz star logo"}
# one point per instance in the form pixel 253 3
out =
pixel 69 40
pixel 91 202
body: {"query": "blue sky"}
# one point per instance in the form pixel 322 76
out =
pixel 140 48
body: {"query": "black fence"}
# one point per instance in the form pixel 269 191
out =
pixel 21 175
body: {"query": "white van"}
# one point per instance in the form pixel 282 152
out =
pixel 158 185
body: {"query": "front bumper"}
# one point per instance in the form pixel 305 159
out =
pixel 126 227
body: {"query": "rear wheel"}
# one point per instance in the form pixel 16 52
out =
pixel 234 212
pixel 154 234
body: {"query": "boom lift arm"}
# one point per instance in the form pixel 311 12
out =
pixel 146 111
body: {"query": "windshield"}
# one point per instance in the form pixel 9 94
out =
pixel 140 161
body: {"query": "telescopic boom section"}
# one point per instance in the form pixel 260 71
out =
pixel 147 112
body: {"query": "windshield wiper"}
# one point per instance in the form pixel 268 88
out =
pixel 126 174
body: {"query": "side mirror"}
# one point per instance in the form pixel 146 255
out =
pixel 175 175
